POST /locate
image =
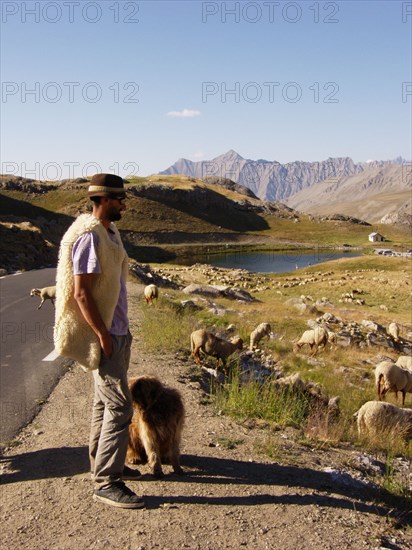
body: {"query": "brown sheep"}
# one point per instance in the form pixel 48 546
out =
pixel 213 345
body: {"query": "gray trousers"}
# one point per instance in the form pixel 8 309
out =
pixel 111 415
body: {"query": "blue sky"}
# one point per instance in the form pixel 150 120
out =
pixel 130 87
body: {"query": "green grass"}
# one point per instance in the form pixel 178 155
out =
pixel 254 400
pixel 228 442
pixel 166 327
pixel 335 232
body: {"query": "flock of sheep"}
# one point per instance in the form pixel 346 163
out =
pixel 374 417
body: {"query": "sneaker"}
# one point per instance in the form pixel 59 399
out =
pixel 118 495
pixel 130 474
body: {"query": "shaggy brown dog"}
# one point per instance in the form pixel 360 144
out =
pixel 157 424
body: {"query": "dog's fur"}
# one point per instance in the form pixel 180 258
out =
pixel 157 424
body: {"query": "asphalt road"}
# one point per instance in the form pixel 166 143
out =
pixel 29 368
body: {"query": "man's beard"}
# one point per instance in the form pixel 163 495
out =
pixel 114 215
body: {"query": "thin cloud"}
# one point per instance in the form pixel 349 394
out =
pixel 185 113
pixel 198 155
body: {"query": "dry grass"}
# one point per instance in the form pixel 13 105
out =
pixel 345 372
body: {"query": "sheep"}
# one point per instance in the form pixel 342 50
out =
pixel 213 345
pixel 390 377
pixel 393 330
pixel 46 293
pixel 332 338
pixel 264 329
pixel 377 418
pixel 151 292
pixel 405 361
pixel 314 338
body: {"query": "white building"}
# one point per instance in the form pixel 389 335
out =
pixel 376 237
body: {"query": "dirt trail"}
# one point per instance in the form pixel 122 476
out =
pixel 230 497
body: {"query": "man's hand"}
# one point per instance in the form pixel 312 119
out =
pixel 106 343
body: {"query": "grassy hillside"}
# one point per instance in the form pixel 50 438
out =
pixel 343 369
pixel 368 195
pixel 176 213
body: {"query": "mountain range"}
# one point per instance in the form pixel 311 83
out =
pixel 369 190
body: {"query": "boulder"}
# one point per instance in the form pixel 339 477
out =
pixel 219 291
pixel 372 326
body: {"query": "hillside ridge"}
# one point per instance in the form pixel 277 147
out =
pixel 166 216
pixel 316 187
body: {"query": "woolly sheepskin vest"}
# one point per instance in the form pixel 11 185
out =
pixel 73 337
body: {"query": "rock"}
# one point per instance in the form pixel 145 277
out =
pixel 306 308
pixel 216 291
pixel 372 326
pixel 293 381
pixel 204 290
pixel 328 318
pixel 189 304
pixel 376 339
pixel 144 273
pixel 339 477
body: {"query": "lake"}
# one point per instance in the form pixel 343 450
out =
pixel 268 262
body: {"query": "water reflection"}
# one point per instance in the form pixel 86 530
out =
pixel 268 262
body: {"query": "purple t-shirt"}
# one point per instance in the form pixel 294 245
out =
pixel 85 260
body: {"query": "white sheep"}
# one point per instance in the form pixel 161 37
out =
pixel 376 418
pixel 264 329
pixel 151 292
pixel 405 361
pixel 332 338
pixel 212 345
pixel 393 330
pixel 314 338
pixel 391 378
pixel 46 293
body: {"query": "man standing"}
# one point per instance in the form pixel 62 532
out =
pixel 92 327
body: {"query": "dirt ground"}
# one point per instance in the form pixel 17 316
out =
pixel 230 497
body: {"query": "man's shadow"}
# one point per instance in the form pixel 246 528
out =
pixel 331 489
pixel 46 463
